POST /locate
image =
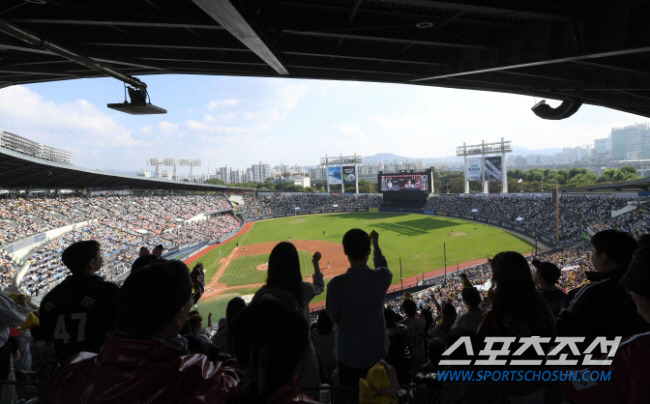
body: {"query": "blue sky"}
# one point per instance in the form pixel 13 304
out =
pixel 240 120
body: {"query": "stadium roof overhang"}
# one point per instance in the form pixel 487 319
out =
pixel 596 52
pixel 18 171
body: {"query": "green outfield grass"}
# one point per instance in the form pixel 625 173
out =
pixel 242 271
pixel 415 240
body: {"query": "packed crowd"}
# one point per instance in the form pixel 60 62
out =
pixel 46 268
pixel 573 262
pixel 148 321
pixel 281 204
pixel 121 223
pixel 538 213
pixel 24 216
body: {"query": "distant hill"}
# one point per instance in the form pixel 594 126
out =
pixel 394 158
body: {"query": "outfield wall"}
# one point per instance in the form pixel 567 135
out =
pixel 310 212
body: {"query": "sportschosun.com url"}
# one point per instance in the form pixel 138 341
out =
pixel 524 375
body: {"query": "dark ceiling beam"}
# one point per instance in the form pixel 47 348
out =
pixel 611 66
pixel 383 39
pixel 166 46
pixel 495 11
pixel 363 73
pixel 33 40
pixel 355 9
pixel 351 56
pixel 137 24
pixel 38 73
pixel 621 52
pixel 226 15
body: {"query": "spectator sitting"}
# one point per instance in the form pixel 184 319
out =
pixel 144 251
pixel 323 338
pixel 158 250
pixel 145 359
pixel 603 308
pixel 269 338
pixel 546 276
pixel 235 305
pixel 630 368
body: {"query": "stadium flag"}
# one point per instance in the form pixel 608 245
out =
pixel 334 175
pixel 349 174
pixel 493 169
pixel 474 169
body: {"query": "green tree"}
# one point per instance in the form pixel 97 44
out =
pixel 587 178
pixel 215 181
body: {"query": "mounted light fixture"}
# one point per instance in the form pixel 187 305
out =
pixel 138 93
pixel 139 104
pixel 564 110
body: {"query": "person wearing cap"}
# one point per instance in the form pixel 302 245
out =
pixel 157 251
pixel 545 277
pixel 79 312
pixel 603 308
pixel 630 368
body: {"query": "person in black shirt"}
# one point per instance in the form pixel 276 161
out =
pixel 79 312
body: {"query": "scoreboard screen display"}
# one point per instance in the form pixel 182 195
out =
pixel 407 181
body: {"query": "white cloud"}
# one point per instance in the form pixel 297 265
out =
pixel 214 105
pixel 75 123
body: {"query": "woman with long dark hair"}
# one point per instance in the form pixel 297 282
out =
pixel 515 306
pixel 284 273
pixel 515 309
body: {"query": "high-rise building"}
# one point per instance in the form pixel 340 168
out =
pixel 631 142
pixel 237 176
pixel 224 174
pixel 602 149
pixel 260 172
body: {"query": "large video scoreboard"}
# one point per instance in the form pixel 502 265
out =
pixel 405 181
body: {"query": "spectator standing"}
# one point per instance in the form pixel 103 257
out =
pixel 355 302
pixel 470 319
pixel 79 312
pixel 416 326
pixel 284 273
pixel 145 360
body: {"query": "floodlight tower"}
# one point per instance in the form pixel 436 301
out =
pixel 168 162
pixel 153 162
pixel 191 163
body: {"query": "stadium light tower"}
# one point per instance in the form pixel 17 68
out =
pixel 191 163
pixel 154 162
pixel 169 162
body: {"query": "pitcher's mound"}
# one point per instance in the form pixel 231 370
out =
pixel 262 267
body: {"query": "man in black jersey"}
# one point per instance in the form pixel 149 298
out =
pixel 79 312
